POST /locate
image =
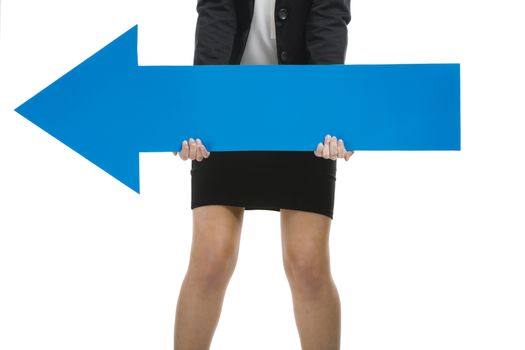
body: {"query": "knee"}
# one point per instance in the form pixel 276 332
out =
pixel 307 273
pixel 212 268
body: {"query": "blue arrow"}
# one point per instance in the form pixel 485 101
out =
pixel 108 109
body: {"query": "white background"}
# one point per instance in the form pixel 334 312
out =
pixel 426 247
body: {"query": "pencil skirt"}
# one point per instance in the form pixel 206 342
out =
pixel 267 180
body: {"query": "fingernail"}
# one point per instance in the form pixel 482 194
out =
pixel 198 140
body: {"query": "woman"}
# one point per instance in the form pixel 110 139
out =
pixel 299 184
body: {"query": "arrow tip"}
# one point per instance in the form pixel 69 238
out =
pixel 75 109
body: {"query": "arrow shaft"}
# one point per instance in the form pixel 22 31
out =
pixel 292 107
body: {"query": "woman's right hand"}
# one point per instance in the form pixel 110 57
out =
pixel 195 150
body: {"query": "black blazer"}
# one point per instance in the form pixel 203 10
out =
pixel 307 31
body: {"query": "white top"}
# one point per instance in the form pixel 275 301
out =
pixel 261 45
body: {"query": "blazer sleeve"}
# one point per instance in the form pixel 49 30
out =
pixel 215 31
pixel 326 31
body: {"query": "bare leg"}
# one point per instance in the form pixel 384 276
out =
pixel 317 309
pixel 214 251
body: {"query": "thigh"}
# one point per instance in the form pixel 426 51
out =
pixel 305 239
pixel 216 233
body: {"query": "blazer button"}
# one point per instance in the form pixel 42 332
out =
pixel 284 55
pixel 282 14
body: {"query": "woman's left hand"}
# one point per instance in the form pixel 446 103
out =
pixel 332 149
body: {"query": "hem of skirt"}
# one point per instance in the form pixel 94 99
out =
pixel 255 206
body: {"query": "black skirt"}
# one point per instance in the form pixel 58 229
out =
pixel 268 180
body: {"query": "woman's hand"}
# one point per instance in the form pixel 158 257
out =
pixel 332 149
pixel 195 151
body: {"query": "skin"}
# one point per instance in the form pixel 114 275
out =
pixel 306 261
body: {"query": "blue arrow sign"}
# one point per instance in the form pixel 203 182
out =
pixel 108 109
